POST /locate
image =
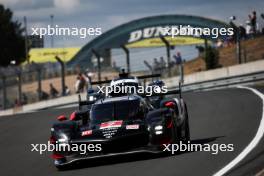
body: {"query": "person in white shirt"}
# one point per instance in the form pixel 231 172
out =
pixel 261 24
pixel 249 30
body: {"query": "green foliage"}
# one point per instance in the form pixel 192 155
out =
pixel 211 58
pixel 12 43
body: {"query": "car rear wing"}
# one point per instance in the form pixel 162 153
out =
pixel 83 103
pixel 144 77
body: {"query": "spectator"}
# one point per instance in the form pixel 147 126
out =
pixel 242 32
pixel 17 103
pixel 77 84
pixel 53 92
pixel 123 74
pixel 88 78
pixel 156 65
pixel 24 99
pixel 248 29
pixel 262 24
pixel 114 66
pixel 200 49
pixel 232 38
pixel 67 90
pixel 173 61
pixel 80 83
pixel 178 58
pixel 253 21
pixel 162 63
pixel 43 95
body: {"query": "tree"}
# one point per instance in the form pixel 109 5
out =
pixel 12 43
pixel 211 57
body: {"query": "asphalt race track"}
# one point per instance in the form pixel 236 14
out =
pixel 229 116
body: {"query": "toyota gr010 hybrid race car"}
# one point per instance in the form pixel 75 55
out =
pixel 121 125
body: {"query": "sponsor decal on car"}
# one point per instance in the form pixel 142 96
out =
pixel 132 127
pixel 111 124
pixel 87 133
pixel 109 132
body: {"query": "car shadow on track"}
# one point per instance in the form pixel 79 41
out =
pixel 131 157
pixel 205 140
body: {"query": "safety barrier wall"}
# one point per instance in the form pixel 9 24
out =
pixel 43 104
pixel 225 72
pixel 216 74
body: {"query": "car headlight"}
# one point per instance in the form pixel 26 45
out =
pixel 63 139
pixel 158 132
pixel 159 127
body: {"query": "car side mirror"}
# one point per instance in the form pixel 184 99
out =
pixel 80 115
pixel 169 104
pixel 61 118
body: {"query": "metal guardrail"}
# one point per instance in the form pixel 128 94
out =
pixel 224 82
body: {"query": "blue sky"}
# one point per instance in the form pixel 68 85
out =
pixel 110 13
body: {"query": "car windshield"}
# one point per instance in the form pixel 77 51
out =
pixel 119 110
pixel 125 89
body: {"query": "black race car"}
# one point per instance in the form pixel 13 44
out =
pixel 120 125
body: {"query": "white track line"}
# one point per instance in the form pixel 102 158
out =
pixel 67 106
pixel 251 145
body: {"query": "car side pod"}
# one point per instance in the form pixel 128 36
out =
pixel 61 118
